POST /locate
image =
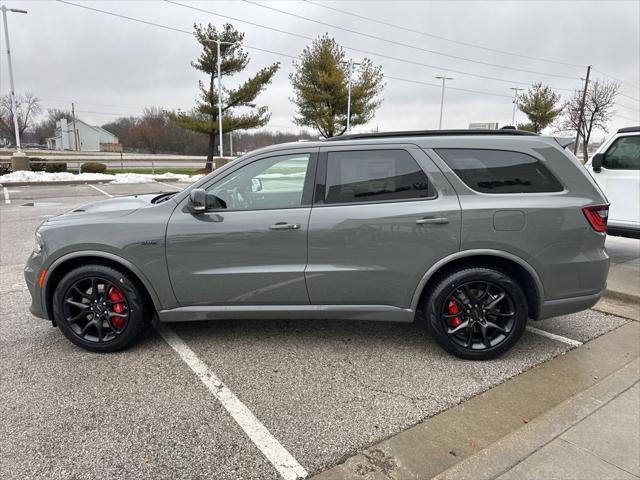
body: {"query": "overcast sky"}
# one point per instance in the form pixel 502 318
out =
pixel 112 66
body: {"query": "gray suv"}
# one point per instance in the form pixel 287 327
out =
pixel 471 232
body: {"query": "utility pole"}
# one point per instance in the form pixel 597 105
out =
pixel 14 111
pixel 515 104
pixel 231 144
pixel 444 79
pixel 73 122
pixel 584 99
pixel 350 63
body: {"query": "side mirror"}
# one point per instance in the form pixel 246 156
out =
pixel 198 200
pixel 256 185
pixel 596 162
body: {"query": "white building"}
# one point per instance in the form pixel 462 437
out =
pixel 90 138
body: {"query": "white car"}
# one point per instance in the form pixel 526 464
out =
pixel 616 168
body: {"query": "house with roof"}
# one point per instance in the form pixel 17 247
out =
pixel 89 138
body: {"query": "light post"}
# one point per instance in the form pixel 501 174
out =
pixel 14 111
pixel 444 79
pixel 218 43
pixel 515 104
pixel 351 63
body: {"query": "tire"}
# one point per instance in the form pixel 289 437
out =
pixel 93 292
pixel 469 292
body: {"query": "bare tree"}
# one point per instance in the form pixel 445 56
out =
pixel 151 128
pixel 27 108
pixel 598 109
pixel 47 127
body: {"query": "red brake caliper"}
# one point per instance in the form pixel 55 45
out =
pixel 116 295
pixel 452 308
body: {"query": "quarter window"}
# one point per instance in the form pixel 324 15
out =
pixel 624 154
pixel 374 175
pixel 499 171
pixel 269 183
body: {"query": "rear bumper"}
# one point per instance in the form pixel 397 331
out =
pixel 564 306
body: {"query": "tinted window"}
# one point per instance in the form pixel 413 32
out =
pixel 498 171
pixel 274 182
pixel 374 175
pixel 624 154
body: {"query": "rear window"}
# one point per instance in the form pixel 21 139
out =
pixel 500 171
pixel 624 154
pixel 373 176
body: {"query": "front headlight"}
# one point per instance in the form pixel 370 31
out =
pixel 39 243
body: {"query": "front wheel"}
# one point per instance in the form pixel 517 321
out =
pixel 99 308
pixel 476 313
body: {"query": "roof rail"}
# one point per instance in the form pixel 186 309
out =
pixel 430 133
pixel 629 129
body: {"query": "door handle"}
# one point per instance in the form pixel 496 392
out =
pixel 284 226
pixel 432 221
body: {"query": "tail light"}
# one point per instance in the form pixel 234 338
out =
pixel 597 216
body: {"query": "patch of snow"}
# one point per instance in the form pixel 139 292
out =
pixel 118 178
pixel 132 178
pixel 29 176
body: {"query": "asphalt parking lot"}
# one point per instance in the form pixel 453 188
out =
pixel 323 389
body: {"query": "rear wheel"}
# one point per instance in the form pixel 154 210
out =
pixel 476 313
pixel 99 308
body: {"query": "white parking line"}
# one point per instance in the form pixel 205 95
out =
pixel 170 186
pixel 6 195
pixel 553 336
pixel 280 458
pixel 100 190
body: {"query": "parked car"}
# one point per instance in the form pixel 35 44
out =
pixel 472 232
pixel 616 168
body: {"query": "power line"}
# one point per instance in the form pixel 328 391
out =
pixel 133 19
pixel 617 79
pixel 367 52
pixel 90 103
pixel 635 109
pixel 634 120
pixel 439 37
pixel 106 12
pixel 629 97
pixel 406 45
pixel 448 88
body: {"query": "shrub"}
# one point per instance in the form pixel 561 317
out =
pixel 55 167
pixel 93 167
pixel 5 168
pixel 37 166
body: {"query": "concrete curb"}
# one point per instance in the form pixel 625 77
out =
pixel 440 443
pixel 79 182
pixel 501 456
pixel 622 296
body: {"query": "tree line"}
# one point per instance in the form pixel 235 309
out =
pixel 320 84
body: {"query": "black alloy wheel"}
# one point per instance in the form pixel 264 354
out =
pixel 477 313
pixel 95 309
pixel 99 308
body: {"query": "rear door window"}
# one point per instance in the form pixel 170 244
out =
pixel 499 171
pixel 623 154
pixel 356 176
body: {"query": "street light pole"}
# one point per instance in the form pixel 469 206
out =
pixel 350 63
pixel 515 103
pixel 220 151
pixel 13 93
pixel 218 43
pixel 444 79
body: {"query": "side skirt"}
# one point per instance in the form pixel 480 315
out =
pixel 383 313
